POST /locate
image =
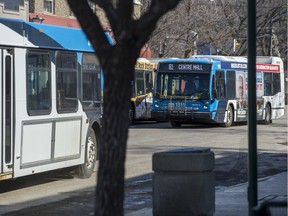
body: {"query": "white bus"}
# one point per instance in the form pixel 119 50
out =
pixel 50 99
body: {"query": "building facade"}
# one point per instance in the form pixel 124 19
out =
pixel 17 9
pixel 58 12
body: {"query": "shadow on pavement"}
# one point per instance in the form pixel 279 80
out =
pixel 138 190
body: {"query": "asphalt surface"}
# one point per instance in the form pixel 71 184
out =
pixel 230 179
pixel 138 191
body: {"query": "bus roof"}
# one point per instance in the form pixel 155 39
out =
pixel 233 64
pixel 269 60
pixel 143 60
pixel 259 59
pixel 186 60
pixel 29 34
pixel 264 63
pixel 144 64
pixel 220 58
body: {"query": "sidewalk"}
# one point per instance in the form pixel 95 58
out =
pixel 232 201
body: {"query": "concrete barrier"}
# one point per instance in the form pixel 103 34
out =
pixel 183 182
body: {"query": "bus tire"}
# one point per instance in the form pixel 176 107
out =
pixel 267 119
pixel 175 124
pixel 131 115
pixel 85 170
pixel 230 117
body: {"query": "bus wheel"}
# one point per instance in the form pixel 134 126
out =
pixel 267 119
pixel 85 170
pixel 175 124
pixel 131 115
pixel 230 117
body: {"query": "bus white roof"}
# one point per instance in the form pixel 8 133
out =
pixel 143 60
pixel 268 60
pixel 220 58
pixel 259 59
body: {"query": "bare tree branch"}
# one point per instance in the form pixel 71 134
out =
pixel 91 24
pixel 110 12
pixel 147 23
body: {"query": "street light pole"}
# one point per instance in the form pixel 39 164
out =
pixel 195 37
pixel 252 127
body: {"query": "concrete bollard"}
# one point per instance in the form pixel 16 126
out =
pixel 183 182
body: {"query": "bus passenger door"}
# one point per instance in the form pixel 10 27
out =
pixel 6 110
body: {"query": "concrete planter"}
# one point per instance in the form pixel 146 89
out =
pixel 183 182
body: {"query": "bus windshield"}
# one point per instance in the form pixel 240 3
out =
pixel 183 85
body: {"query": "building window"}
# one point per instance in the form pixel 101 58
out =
pixel 49 6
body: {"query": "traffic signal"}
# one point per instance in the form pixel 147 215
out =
pixel 236 44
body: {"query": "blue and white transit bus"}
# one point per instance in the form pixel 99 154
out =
pixel 50 99
pixel 213 89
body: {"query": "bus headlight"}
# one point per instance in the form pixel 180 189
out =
pixel 205 107
pixel 156 105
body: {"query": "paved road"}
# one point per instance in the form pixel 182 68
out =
pixel 229 145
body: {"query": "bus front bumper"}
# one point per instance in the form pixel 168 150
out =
pixel 175 115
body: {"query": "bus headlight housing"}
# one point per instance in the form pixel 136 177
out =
pixel 205 107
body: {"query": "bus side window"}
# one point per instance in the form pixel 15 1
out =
pixel 91 82
pixel 267 84
pixel 271 83
pixel 66 78
pixel 38 83
pixel 149 81
pixel 139 82
pixel 220 84
pixel 230 87
pixel 214 91
pixel 276 83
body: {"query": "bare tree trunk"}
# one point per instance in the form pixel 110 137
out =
pixel 118 63
pixel 112 151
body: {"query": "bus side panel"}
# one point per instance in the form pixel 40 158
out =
pixel 36 145
pixel 280 108
pixel 220 111
pixel 278 101
pixel 42 141
pixel 49 146
pixel 67 139
pixel 143 106
pixel 277 105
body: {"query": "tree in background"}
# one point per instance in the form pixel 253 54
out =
pixel 118 63
pixel 221 26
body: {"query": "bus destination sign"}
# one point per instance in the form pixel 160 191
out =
pixel 184 67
